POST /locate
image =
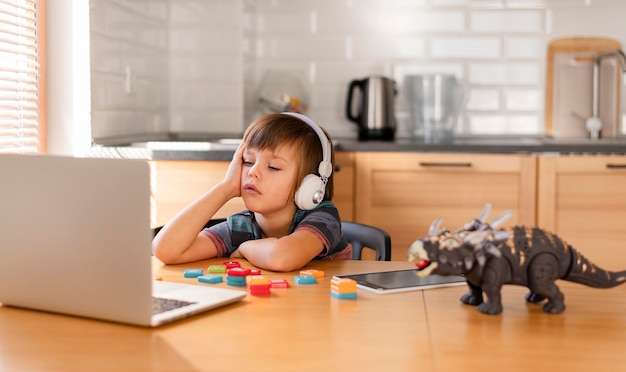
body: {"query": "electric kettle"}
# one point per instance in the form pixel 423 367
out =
pixel 375 115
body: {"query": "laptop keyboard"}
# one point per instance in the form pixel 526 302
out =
pixel 160 305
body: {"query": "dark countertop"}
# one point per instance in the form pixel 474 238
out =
pixel 215 150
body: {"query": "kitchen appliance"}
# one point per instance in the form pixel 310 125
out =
pixel 583 88
pixel 375 107
pixel 435 103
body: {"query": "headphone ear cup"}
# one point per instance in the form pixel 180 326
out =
pixel 311 192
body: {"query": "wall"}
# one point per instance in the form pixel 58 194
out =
pixel 205 59
pixel 165 66
pixel 497 47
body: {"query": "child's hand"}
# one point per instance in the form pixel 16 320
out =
pixel 233 174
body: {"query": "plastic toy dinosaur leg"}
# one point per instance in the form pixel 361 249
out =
pixel 474 297
pixel 542 274
pixel 534 298
pixel 492 285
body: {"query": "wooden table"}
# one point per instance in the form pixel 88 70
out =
pixel 303 328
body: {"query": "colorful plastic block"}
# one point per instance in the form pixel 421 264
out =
pixel 238 271
pixel 257 280
pixel 217 269
pixel 259 290
pixel 343 285
pixel 211 278
pixel 239 281
pixel 192 273
pixel 342 296
pixel 255 272
pixel 312 272
pixel 279 283
pixel 304 279
pixel 231 264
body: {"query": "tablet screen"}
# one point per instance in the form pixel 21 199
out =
pixel 401 280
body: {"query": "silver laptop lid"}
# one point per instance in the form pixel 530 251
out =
pixel 75 236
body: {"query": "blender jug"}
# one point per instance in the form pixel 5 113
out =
pixel 435 102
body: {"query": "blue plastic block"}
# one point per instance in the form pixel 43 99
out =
pixel 349 295
pixel 304 279
pixel 210 278
pixel 192 273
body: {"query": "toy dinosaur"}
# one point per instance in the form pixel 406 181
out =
pixel 489 257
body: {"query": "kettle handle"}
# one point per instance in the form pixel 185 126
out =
pixel 353 84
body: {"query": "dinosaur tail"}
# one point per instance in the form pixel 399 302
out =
pixel 583 271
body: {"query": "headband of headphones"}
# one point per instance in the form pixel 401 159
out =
pixel 326 166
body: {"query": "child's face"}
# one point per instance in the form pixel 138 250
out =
pixel 268 179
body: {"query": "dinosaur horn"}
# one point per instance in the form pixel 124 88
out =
pixel 475 238
pixel 433 230
pixel 500 219
pixel 485 212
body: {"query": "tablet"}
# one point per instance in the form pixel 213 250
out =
pixel 401 280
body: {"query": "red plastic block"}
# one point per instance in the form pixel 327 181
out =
pixel 238 271
pixel 231 264
pixel 279 283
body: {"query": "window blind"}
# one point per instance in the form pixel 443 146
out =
pixel 19 73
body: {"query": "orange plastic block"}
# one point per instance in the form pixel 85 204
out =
pixel 343 285
pixel 257 280
pixel 312 272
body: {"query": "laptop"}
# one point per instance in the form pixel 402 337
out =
pixel 75 239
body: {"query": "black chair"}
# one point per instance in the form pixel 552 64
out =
pixel 365 236
pixel 359 235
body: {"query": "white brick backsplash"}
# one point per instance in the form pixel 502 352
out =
pixel 381 47
pixel 483 100
pixel 524 47
pixel 466 47
pixel 429 21
pixel 507 21
pixel 523 99
pixel 504 73
pixel 197 64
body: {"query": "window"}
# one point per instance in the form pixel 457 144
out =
pixel 22 80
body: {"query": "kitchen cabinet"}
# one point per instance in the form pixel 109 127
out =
pixel 176 183
pixel 582 198
pixel 403 192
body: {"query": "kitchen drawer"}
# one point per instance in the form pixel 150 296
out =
pixel 404 192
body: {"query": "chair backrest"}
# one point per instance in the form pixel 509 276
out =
pixel 366 236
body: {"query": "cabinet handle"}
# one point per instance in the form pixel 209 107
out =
pixel 437 164
pixel 616 166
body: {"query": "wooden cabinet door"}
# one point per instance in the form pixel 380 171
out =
pixel 176 183
pixel 343 185
pixel 582 198
pixel 404 192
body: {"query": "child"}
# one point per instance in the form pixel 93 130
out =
pixel 283 172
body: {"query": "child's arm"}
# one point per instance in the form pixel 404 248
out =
pixel 289 253
pixel 179 241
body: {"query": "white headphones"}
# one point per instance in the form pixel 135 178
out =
pixel 311 191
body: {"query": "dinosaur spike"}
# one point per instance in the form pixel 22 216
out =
pixel 433 230
pixel 500 236
pixel 500 219
pixel 475 238
pixel 485 212
pixel 490 248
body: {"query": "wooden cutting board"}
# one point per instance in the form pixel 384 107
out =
pixel 569 86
